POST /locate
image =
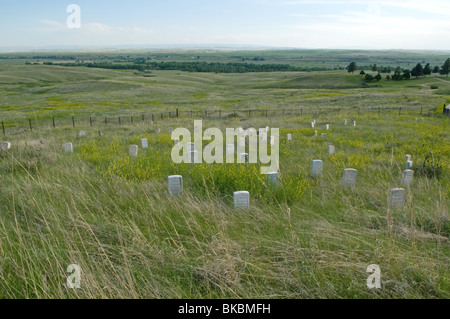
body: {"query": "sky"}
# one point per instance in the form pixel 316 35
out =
pixel 330 24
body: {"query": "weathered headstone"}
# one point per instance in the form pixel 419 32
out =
pixel 354 123
pixel 408 157
pixel 313 125
pixel 331 149
pixel 327 127
pixel 272 178
pixel 345 122
pixel 241 200
pixel 68 147
pixel 315 133
pixel 349 177
pixel 244 158
pixel 397 197
pixel 407 177
pixel 317 167
pixel 158 130
pixel 193 157
pixel 134 150
pixel 144 142
pixel 324 136
pixel 82 134
pixel 230 153
pixel 272 140
pixel 176 185
pixel 289 137
pixel 241 143
pixel 409 164
pixel 190 147
pixel 5 146
pixel 263 137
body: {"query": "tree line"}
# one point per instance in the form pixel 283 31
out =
pixel 194 67
pixel 402 74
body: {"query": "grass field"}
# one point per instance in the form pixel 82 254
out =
pixel 310 238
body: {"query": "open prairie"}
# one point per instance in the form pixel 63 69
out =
pixel 309 237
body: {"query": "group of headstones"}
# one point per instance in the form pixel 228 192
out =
pixel 242 198
pixel 397 195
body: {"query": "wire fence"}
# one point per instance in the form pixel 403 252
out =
pixel 11 127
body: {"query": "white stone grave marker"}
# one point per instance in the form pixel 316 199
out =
pixel 190 147
pixel 5 146
pixel 244 158
pixel 272 140
pixel 241 143
pixel 327 127
pixel 144 142
pixel 176 185
pixel 407 177
pixel 349 177
pixel 289 137
pixel 193 157
pixel 134 150
pixel 317 167
pixel 68 147
pixel 230 153
pixel 241 200
pixel 324 136
pixel 331 149
pixel 397 197
pixel 409 164
pixel 82 134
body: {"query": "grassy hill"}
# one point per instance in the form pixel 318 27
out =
pixel 310 238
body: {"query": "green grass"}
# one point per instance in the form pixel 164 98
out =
pixel 113 216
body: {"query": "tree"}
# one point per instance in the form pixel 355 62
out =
pixel 378 77
pixel 406 74
pixel 369 77
pixel 352 67
pixel 362 72
pixel 417 70
pixel 445 70
pixel 374 68
pixel 388 77
pixel 397 74
pixel 436 69
pixel 427 69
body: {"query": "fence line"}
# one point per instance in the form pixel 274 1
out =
pixel 19 126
